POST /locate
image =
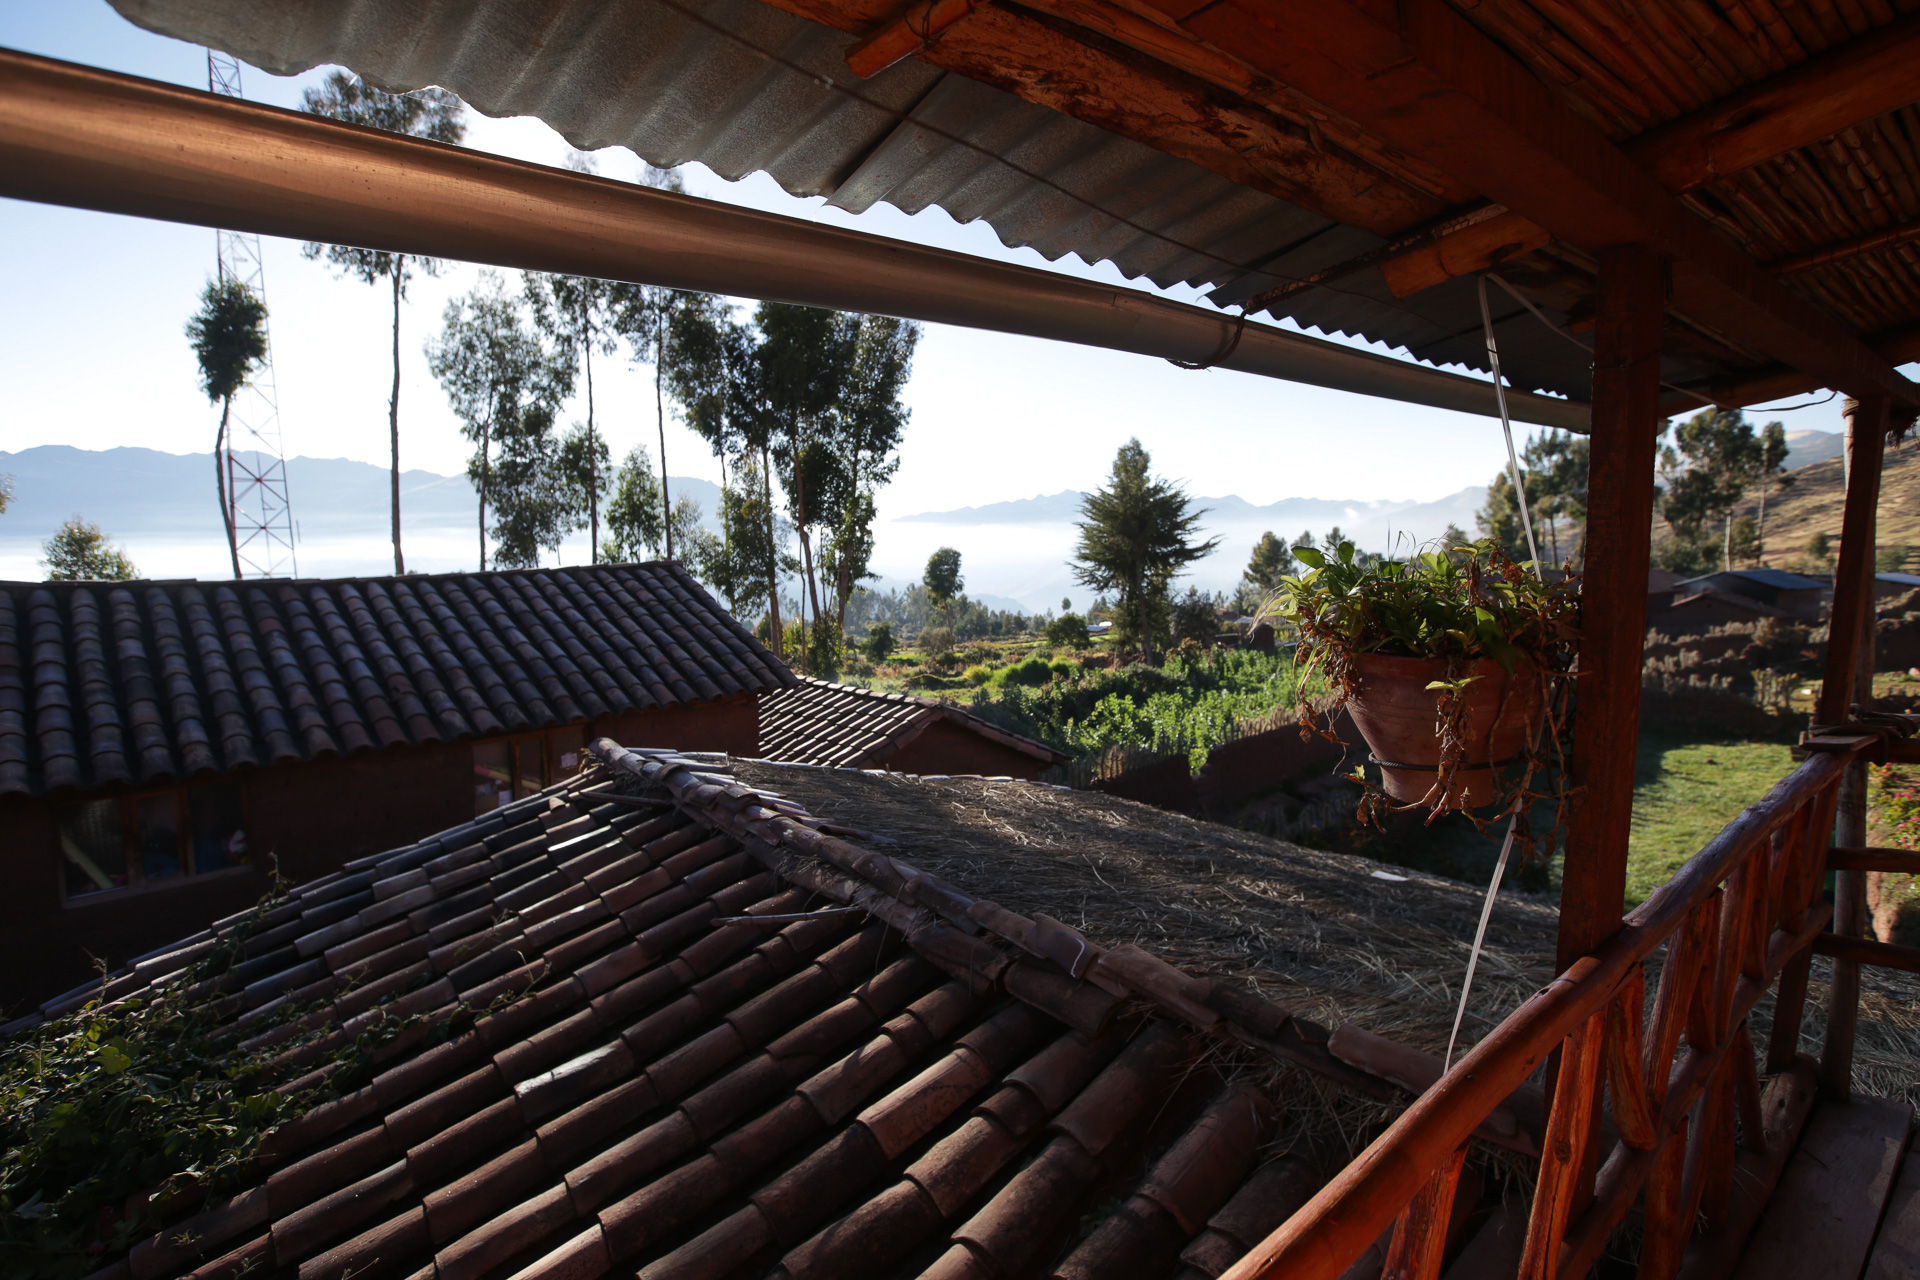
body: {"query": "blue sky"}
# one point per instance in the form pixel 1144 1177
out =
pixel 94 354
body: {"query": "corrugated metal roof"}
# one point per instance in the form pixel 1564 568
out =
pixel 743 87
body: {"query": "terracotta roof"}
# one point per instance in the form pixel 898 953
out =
pixel 105 682
pixel 608 1066
pixel 845 726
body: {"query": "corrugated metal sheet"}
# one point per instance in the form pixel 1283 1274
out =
pixel 743 87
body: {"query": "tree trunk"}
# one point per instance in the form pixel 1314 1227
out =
pixel 659 419
pixel 593 467
pixel 1146 627
pixel 1760 526
pixel 1726 553
pixel 393 419
pixel 773 558
pixel 220 483
pixel 486 474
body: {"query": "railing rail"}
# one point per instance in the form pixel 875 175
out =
pixel 1738 917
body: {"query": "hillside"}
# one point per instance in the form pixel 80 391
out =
pixel 1812 505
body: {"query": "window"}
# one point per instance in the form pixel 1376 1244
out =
pixel 151 840
pixel 509 769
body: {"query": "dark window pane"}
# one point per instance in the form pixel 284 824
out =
pixel 93 848
pixel 213 816
pixel 530 761
pixel 492 777
pixel 157 828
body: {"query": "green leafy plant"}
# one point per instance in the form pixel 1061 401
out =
pixel 1461 605
pixel 119 1117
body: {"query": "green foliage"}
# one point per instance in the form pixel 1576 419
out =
pixel 1192 703
pixel 879 645
pixel 1068 630
pixel 1692 555
pixel 1196 618
pixel 1268 564
pixel 824 650
pixel 1137 534
pixel 978 674
pixel 1470 603
pixel 229 336
pixel 81 553
pixel 634 526
pixel 579 315
pixel 1553 470
pixel 942 577
pixel 936 642
pixel 1890 558
pixel 505 385
pixel 1030 672
pixel 113 1114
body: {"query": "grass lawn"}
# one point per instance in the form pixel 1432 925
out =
pixel 1684 792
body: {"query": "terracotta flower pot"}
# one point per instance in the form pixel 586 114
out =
pixel 1400 719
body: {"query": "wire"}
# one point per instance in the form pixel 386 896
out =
pixel 1789 408
pixel 1479 938
pixel 1506 426
pixel 1558 332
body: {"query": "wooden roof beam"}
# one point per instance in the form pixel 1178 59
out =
pixel 1897 346
pixel 1427 81
pixel 1270 143
pixel 1864 78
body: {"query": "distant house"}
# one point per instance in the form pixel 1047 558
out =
pixel 1703 608
pixel 160 742
pixel 1888 585
pixel 1661 584
pixel 1793 595
pixel 844 726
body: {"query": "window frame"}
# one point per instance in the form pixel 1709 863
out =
pixel 127 804
pixel 545 745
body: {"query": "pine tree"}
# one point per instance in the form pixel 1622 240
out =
pixel 1137 535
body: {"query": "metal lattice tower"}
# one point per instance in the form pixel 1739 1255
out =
pixel 257 496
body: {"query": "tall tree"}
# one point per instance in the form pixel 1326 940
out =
pixel 645 317
pixel 635 516
pixel 229 336
pixel 579 315
pixel 943 581
pixel 1137 535
pixel 1772 474
pixel 505 386
pixel 1715 455
pixel 534 505
pixel 79 552
pixel 427 113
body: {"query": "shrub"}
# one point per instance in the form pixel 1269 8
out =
pixel 823 648
pixel 1031 672
pixel 1064 670
pixel 1068 630
pixel 879 645
pixel 978 674
pixel 936 642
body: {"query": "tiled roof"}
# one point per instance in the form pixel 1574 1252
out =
pixel 1776 579
pixel 105 682
pixel 845 726
pixel 610 1067
pixel 1732 599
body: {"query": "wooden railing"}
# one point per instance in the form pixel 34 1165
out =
pixel 1681 1080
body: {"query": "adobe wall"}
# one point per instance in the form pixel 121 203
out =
pixel 947 748
pixel 314 815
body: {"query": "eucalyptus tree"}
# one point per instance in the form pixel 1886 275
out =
pixel 580 316
pixel 1771 468
pixel 229 337
pixel 79 552
pixel 1713 458
pixel 1137 534
pixel 636 521
pixel 505 385
pixel 645 317
pixel 430 113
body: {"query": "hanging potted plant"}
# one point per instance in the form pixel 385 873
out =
pixel 1447 662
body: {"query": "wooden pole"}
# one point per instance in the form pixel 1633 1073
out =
pixel 1849 680
pixel 1613 596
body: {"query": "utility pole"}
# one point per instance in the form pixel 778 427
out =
pixel 257 497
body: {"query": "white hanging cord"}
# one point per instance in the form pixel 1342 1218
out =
pixel 1479 936
pixel 1558 332
pixel 1506 425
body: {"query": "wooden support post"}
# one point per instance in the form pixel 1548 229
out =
pixel 1849 679
pixel 1613 604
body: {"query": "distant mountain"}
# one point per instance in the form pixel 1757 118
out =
pixel 1804 448
pixel 136 493
pixel 1372 524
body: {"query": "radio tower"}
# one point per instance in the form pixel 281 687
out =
pixel 257 498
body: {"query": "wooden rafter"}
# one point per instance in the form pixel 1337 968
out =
pixel 1268 141
pixel 1432 84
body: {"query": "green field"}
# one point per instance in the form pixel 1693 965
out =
pixel 1685 792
